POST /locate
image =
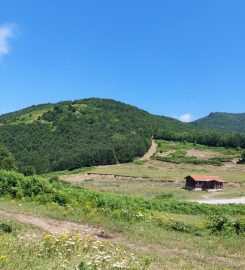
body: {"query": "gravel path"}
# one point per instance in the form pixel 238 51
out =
pixel 223 201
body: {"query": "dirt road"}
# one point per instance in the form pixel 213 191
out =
pixel 223 201
pixel 151 151
pixel 55 226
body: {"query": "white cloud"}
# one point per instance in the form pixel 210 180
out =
pixel 7 31
pixel 187 117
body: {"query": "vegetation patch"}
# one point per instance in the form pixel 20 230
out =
pixel 183 152
pixel 65 251
pixel 73 134
pixel 112 206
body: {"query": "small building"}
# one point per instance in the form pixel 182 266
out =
pixel 204 182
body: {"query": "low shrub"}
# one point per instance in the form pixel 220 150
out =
pixel 164 196
pixel 5 227
pixel 19 186
pixel 138 161
pixel 224 224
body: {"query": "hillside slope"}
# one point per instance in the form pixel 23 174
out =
pixel 69 135
pixel 87 132
pixel 224 121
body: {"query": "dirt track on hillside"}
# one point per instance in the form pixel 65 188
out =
pixel 151 151
pixel 55 226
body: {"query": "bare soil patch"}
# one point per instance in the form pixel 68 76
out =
pixel 151 151
pixel 206 154
pixel 74 178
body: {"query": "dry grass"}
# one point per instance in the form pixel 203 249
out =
pixel 161 177
pixel 176 172
pixel 204 154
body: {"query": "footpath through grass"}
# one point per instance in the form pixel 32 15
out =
pixel 163 229
pixel 24 247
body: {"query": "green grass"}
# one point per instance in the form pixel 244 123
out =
pixel 29 248
pixel 67 172
pixel 150 189
pixel 174 172
pixel 174 235
pixel 166 249
pixel 171 145
pixel 27 118
pixel 156 177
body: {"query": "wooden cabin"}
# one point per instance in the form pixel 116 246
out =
pixel 204 182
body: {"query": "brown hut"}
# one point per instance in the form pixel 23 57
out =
pixel 204 182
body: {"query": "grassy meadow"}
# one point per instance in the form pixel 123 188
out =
pixel 30 117
pixel 148 216
pixel 155 177
pixel 163 249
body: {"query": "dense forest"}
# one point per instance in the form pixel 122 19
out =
pixel 224 121
pixel 73 134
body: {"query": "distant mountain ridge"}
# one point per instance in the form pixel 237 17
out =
pixel 94 131
pixel 224 121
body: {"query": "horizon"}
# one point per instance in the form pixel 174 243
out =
pixel 181 60
pixel 59 101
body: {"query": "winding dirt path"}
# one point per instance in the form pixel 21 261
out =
pixel 55 226
pixel 151 151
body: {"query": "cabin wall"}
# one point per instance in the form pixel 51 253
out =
pixel 203 185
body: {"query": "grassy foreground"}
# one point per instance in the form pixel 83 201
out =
pixel 172 234
pixel 24 247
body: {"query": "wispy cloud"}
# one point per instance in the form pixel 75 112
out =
pixel 7 31
pixel 187 117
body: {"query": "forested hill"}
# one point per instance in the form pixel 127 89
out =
pixel 73 134
pixel 69 135
pixel 224 121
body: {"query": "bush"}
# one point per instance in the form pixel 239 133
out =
pixel 222 224
pixel 165 195
pixel 180 226
pixel 84 266
pixel 240 226
pixel 18 186
pixel 6 228
pixel 61 198
pixel 29 170
pixel 138 161
pixel 7 162
pixel 242 160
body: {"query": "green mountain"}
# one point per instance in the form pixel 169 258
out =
pixel 72 134
pixel 87 132
pixel 224 121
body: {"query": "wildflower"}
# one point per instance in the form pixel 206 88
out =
pixel 2 257
pixel 119 265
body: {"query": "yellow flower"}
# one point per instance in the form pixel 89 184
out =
pixel 46 236
pixel 64 236
pixel 2 257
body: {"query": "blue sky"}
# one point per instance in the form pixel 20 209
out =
pixel 170 57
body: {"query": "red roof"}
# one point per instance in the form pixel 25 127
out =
pixel 206 178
